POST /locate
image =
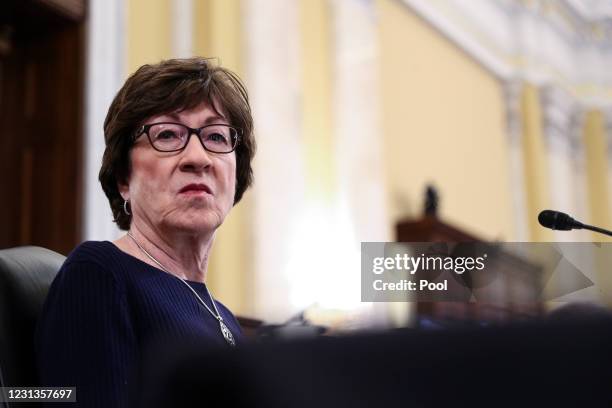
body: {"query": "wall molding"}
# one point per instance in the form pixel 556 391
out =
pixel 540 41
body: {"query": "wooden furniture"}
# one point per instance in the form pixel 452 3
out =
pixel 41 122
pixel 512 293
pixel 431 229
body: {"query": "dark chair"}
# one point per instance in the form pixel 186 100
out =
pixel 26 274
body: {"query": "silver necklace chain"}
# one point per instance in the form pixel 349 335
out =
pixel 227 334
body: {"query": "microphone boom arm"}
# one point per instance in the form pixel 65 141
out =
pixel 597 229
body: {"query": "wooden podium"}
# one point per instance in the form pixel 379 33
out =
pixel 431 229
pixel 518 287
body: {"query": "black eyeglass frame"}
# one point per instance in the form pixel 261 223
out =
pixel 145 129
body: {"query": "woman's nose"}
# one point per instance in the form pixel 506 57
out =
pixel 194 156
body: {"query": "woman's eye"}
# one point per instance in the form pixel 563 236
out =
pixel 217 137
pixel 166 135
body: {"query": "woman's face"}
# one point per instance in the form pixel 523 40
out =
pixel 191 190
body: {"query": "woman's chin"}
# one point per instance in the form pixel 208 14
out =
pixel 199 224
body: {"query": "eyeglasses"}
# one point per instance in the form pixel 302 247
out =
pixel 172 137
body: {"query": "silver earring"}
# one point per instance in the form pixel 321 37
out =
pixel 125 210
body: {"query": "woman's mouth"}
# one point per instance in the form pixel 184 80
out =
pixel 195 189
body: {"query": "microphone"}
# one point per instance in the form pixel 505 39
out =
pixel 557 220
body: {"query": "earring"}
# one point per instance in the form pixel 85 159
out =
pixel 125 210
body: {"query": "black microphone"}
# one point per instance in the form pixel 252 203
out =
pixel 557 220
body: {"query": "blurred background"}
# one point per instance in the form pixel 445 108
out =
pixel 503 106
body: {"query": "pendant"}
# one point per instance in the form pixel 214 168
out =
pixel 227 334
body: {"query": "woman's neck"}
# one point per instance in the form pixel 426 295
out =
pixel 182 254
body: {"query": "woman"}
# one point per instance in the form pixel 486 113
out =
pixel 170 192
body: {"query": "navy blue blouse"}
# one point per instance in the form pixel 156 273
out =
pixel 105 308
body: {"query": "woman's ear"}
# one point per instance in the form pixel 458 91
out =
pixel 124 189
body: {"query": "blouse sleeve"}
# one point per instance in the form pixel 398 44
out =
pixel 85 337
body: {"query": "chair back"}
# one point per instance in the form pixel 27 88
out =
pixel 26 274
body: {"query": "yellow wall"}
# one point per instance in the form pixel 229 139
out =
pixel 316 68
pixel 149 32
pixel 535 161
pixel 443 122
pixel 217 31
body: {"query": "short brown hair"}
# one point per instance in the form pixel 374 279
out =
pixel 170 86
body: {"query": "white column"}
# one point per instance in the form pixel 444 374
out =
pixel 512 90
pixel 360 209
pixel 359 152
pixel 559 110
pixel 273 79
pixel 182 28
pixel 104 76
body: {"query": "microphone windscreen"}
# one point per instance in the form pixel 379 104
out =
pixel 556 220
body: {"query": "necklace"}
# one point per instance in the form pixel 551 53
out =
pixel 225 331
